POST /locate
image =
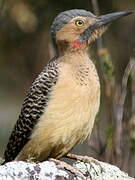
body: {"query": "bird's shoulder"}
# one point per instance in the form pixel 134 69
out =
pixel 38 95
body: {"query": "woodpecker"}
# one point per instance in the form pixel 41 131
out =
pixel 60 107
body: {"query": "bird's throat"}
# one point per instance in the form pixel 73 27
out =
pixel 78 44
pixel 65 48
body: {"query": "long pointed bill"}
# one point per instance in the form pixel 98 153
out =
pixel 105 19
pixel 99 24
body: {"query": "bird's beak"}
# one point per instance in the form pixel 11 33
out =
pixel 97 28
pixel 108 18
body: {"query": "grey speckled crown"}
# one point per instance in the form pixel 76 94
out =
pixel 64 17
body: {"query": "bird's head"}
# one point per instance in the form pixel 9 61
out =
pixel 78 28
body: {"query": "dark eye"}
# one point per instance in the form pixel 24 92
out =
pixel 79 23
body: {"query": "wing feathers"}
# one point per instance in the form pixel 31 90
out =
pixel 32 108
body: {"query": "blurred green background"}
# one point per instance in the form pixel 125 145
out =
pixel 25 48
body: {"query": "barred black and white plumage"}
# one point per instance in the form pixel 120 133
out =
pixel 32 108
pixel 60 108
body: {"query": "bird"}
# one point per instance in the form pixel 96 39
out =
pixel 61 105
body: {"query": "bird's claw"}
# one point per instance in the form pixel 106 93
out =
pixel 68 167
pixel 86 159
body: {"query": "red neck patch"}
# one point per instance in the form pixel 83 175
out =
pixel 78 44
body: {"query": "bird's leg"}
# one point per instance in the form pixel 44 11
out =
pixel 85 159
pixel 67 167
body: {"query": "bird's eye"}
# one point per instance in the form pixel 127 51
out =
pixel 79 23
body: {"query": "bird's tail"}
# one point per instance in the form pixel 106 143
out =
pixel 2 161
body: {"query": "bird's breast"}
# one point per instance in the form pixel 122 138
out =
pixel 72 107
